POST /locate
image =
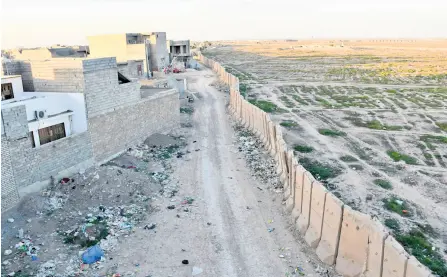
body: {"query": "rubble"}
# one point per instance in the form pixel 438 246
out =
pixel 260 163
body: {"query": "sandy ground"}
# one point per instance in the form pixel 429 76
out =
pixel 302 82
pixel 223 232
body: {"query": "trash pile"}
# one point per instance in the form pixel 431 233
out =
pixel 77 223
pixel 261 164
pixel 105 224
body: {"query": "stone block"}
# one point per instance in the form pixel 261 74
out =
pixel 395 259
pixel 290 201
pixel 353 244
pixel 273 141
pixel 330 234
pixel 416 269
pixel 318 198
pixel 303 221
pixel 376 240
pixel 298 194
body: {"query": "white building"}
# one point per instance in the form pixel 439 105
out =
pixel 50 115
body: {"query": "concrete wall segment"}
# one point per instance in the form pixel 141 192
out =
pixel 353 246
pixel 394 259
pixel 333 213
pixel 318 199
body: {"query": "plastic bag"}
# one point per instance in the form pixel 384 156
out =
pixel 92 255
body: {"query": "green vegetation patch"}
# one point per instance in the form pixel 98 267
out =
pixel 264 105
pixel 440 139
pixel 303 148
pixel 331 133
pixel 320 171
pixel 375 124
pixel 442 125
pixel 383 183
pixel 348 159
pixel 393 224
pixel 397 205
pixel 289 123
pixel 187 110
pixel 396 156
pixel 417 244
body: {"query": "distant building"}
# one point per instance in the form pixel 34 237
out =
pixel 149 47
pixel 55 51
pixel 179 49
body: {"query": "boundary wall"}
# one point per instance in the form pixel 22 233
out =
pixel 354 242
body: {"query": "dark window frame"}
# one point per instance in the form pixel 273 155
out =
pixel 52 133
pixel 11 91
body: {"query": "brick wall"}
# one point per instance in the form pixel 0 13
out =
pixel 102 91
pixel 115 131
pixel 38 164
pixel 10 195
pixel 20 68
pixel 58 75
pixel 15 123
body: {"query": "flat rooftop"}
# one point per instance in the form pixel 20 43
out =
pixel 10 76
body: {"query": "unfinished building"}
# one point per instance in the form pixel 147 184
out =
pixel 81 112
pixel 179 50
pixel 149 47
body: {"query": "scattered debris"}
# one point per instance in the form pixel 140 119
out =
pixel 150 226
pixel 10 220
pixel 196 271
pixel 7 252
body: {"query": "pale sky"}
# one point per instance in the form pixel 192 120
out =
pixel 30 23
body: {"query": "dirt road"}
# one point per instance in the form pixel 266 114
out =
pixel 226 233
pixel 232 224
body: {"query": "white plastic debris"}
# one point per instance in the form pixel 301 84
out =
pixel 196 271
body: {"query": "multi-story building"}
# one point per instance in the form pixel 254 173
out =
pixel 179 49
pixel 149 47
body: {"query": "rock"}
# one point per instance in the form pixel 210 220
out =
pixel 20 234
pixel 369 197
pixel 28 220
pixel 8 252
pixel 6 263
pixel 10 220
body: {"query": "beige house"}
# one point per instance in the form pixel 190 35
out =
pixel 149 47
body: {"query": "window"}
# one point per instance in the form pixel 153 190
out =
pixel 31 138
pixel 139 70
pixel 7 92
pixel 51 133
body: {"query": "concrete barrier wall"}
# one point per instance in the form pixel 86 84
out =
pixel 318 199
pixel 303 220
pixel 330 234
pixel 355 243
